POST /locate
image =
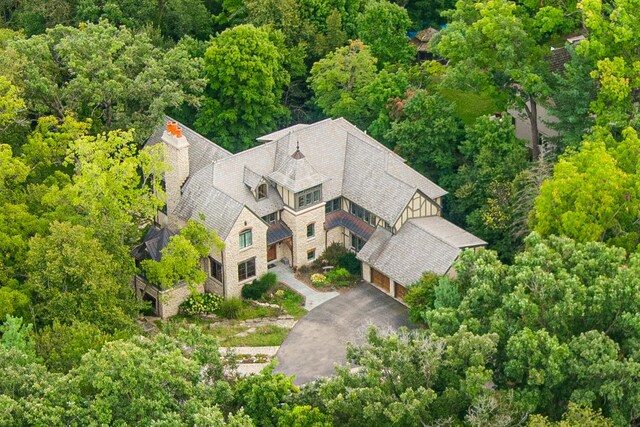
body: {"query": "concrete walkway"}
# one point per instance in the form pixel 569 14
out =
pixel 312 297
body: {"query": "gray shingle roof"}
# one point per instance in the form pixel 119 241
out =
pixel 418 247
pixel 297 174
pixel 347 161
pixel 251 179
pixel 199 197
pixel 201 150
pixel 155 240
pixel 280 133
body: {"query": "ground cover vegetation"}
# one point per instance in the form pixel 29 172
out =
pixel 541 331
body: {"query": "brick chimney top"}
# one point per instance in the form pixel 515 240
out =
pixel 174 129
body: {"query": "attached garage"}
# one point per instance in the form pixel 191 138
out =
pixel 380 280
pixel 399 291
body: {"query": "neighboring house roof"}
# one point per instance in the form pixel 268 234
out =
pixel 201 150
pixel 350 222
pixel 429 244
pixel 153 243
pixel 278 232
pixel 346 160
pixel 421 40
pixel 558 58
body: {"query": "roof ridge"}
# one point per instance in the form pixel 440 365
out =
pixel 167 117
pixel 430 233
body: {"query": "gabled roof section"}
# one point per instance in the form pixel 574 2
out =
pixel 200 197
pixel 421 245
pixel 153 243
pixel 251 179
pixel 367 183
pixel 296 173
pixel 201 150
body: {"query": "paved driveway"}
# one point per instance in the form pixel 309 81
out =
pixel 318 341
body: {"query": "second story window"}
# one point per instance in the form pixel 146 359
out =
pixel 308 197
pixel 332 205
pixel 262 191
pixel 246 239
pixel 311 230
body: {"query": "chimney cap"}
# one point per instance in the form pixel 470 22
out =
pixel 174 129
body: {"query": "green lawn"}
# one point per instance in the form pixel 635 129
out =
pixel 471 105
pixel 269 335
pixel 292 303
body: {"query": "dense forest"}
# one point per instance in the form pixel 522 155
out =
pixel 542 329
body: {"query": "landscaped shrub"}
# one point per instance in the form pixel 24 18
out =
pixel 200 304
pixel 339 277
pixel 332 254
pixel 349 261
pixel 258 287
pixel 319 279
pixel 231 308
pixel 421 294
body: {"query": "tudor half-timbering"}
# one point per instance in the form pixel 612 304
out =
pixel 304 188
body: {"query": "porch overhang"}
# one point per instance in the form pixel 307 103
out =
pixel 278 232
pixel 350 222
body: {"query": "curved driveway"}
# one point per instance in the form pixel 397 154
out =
pixel 318 341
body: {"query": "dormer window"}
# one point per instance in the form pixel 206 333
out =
pixel 262 191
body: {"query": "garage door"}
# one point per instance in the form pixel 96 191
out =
pixel 380 280
pixel 400 290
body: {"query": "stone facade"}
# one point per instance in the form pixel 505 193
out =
pixel 302 245
pixel 336 235
pixel 167 301
pixel 176 149
pixel 233 254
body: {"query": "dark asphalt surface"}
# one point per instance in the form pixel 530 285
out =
pixel 318 341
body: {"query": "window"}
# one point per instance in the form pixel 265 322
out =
pixel 332 205
pixel 311 230
pixel 308 197
pixel 163 185
pixel 246 239
pixel 262 191
pixel 271 218
pixel 311 255
pixel 362 213
pixel 247 269
pixel 215 269
pixel 357 242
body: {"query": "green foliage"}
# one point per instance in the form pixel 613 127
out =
pixel 349 262
pixel 339 80
pixel 593 194
pixel 11 104
pixel 105 73
pixel 73 278
pixel 339 277
pixel 383 26
pixel 261 399
pixel 566 316
pixel 246 79
pixel 62 346
pixel 408 378
pixel 256 289
pixel 303 416
pixel 421 294
pixel 16 335
pixel 231 308
pixel 13 302
pixel 491 47
pixel 197 304
pixel 332 254
pixel 427 131
pixel 181 257
pixel 576 416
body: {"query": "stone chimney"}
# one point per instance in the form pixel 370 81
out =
pixel 177 157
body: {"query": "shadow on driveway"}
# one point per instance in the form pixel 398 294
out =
pixel 319 340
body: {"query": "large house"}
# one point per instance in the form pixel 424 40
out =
pixel 302 189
